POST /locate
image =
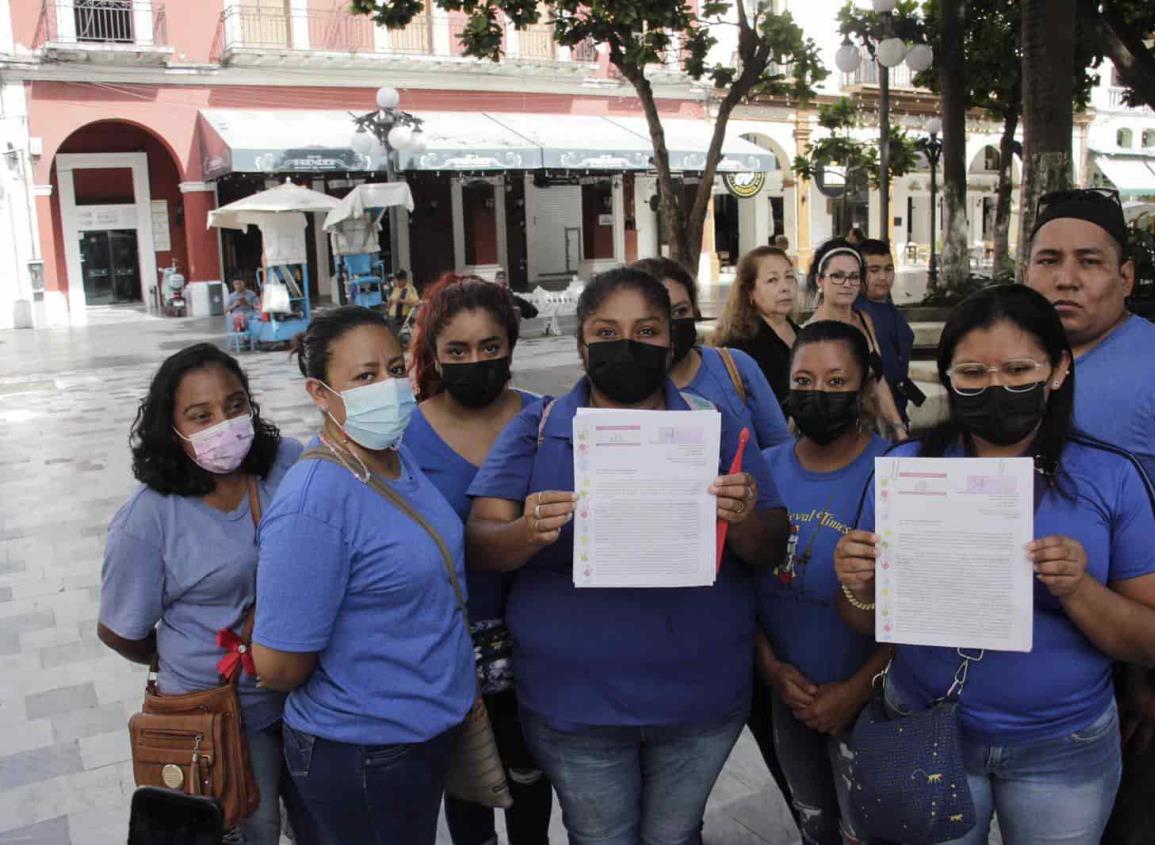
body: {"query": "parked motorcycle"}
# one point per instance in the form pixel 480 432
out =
pixel 172 284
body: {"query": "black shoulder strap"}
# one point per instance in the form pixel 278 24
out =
pixel 1094 443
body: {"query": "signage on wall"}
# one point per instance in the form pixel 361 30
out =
pixel 744 185
pixel 161 242
pixel 105 217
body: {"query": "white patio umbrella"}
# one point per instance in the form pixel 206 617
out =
pixel 363 198
pixel 283 199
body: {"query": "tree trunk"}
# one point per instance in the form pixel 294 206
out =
pixel 1048 111
pixel 673 217
pixel 1002 263
pixel 952 75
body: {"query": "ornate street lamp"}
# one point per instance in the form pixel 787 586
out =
pixel 380 134
pixel 932 148
pixel 889 52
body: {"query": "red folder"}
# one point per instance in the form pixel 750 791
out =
pixel 735 467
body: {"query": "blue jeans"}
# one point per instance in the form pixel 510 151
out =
pixel 1055 792
pixel 264 826
pixel 371 794
pixel 819 769
pixel 630 785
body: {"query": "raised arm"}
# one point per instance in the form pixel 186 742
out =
pixel 502 535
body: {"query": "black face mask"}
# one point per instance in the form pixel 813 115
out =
pixel 998 415
pixel 625 370
pixel 684 331
pixel 823 415
pixel 477 384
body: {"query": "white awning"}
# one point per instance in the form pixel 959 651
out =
pixel 689 140
pixel 581 142
pixel 278 141
pixel 1132 177
pixel 470 141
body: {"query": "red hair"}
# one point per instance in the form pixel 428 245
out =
pixel 445 299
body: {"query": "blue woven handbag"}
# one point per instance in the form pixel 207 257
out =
pixel 909 783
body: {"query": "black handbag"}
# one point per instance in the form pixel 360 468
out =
pixel 910 784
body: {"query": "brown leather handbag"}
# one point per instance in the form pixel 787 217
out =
pixel 195 742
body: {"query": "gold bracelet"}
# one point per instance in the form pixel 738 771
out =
pixel 854 602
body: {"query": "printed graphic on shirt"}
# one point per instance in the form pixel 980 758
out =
pixel 805 527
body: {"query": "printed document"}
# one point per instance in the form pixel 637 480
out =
pixel 953 567
pixel 644 515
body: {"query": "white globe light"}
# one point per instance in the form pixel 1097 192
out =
pixel 378 150
pixel 891 52
pixel 388 98
pixel 934 126
pixel 417 142
pixel 361 143
pixel 920 57
pixel 847 58
pixel 884 7
pixel 400 137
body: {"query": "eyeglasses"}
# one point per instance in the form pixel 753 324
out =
pixel 1017 376
pixel 1080 194
pixel 842 279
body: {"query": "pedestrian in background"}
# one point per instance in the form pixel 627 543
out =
pixel 357 617
pixel 631 699
pixel 1040 729
pixel 729 378
pixel 1078 260
pixel 462 351
pixel 820 668
pixel 757 315
pixel 403 298
pixel 181 559
pixel 241 305
pixel 894 334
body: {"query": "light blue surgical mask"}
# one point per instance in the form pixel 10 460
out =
pixel 377 414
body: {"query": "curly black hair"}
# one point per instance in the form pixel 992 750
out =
pixel 158 459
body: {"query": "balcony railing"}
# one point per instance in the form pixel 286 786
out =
pixel 258 29
pixel 95 23
pixel 867 74
pixel 1117 99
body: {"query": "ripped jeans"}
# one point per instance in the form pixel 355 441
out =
pixel 527 821
pixel 818 768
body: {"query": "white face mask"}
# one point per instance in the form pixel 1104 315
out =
pixel 223 447
pixel 377 414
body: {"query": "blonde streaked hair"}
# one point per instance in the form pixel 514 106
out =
pixel 740 318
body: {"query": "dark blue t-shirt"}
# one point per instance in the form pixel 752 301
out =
pixel 1115 391
pixel 761 412
pixel 1064 683
pixel 347 575
pixel 452 475
pixel 618 656
pixel 796 602
pixel 895 344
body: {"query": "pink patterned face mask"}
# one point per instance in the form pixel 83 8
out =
pixel 222 448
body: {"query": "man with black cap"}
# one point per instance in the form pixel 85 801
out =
pixel 1078 261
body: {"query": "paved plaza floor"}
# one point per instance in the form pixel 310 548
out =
pixel 67 399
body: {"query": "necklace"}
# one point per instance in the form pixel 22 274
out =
pixel 341 454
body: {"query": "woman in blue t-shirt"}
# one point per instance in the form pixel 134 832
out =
pixel 181 559
pixel 462 349
pixel 819 667
pixel 727 377
pixel 1040 729
pixel 631 699
pixel 357 616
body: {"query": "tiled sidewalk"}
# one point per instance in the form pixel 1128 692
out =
pixel 67 398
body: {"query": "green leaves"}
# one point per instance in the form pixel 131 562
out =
pixel 858 159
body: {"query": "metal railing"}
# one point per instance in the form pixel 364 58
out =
pixel 259 28
pixel 867 74
pixel 1117 99
pixel 96 22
